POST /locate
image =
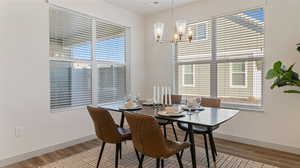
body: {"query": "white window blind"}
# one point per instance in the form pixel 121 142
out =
pixel 87 60
pixel 111 67
pixel 229 63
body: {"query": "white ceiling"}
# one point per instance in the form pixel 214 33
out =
pixel 147 6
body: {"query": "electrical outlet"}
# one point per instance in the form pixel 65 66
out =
pixel 19 131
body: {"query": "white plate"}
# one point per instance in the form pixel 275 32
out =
pixel 164 113
pixel 132 108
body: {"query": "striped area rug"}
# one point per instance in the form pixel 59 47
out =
pixel 88 159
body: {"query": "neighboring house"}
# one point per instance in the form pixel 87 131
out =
pixel 238 43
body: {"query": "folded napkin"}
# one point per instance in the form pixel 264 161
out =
pixel 130 104
pixel 171 110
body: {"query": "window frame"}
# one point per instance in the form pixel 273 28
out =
pixel 214 61
pixel 183 76
pixel 231 85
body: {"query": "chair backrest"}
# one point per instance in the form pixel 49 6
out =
pixel 210 102
pixel 147 136
pixel 105 127
pixel 176 99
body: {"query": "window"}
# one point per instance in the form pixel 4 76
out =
pixel 81 75
pixel 200 31
pixel 238 75
pixel 188 75
pixel 229 63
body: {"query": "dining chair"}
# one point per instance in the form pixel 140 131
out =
pixel 206 102
pixel 176 99
pixel 108 131
pixel 148 139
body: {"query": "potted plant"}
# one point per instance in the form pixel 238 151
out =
pixel 284 76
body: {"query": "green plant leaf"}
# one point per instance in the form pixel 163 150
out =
pixel 277 66
pixel 283 76
pixel 295 76
pixel 298 47
pixel 270 74
pixel 292 91
pixel 288 75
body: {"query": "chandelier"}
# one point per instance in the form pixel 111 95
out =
pixel 179 35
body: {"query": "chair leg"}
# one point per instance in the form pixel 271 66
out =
pixel 137 155
pixel 117 155
pixel 185 139
pixel 162 163
pixel 100 155
pixel 186 136
pixel 206 149
pixel 174 131
pixel 165 131
pixel 157 163
pixel 141 161
pixel 179 160
pixel 120 150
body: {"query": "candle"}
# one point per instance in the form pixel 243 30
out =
pixel 157 96
pixel 170 97
pixel 154 94
pixel 166 95
pixel 162 94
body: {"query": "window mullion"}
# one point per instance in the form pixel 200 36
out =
pixel 213 65
pixel 94 65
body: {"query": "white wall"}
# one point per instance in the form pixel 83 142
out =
pixel 24 74
pixel 278 125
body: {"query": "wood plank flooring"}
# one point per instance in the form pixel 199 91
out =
pixel 268 156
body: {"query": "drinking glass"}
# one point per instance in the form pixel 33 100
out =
pixel 189 104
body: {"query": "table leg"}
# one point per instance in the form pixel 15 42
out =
pixel 122 120
pixel 212 146
pixel 206 149
pixel 193 150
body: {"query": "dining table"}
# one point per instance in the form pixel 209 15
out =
pixel 206 117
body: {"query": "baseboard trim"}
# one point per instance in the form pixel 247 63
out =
pixel 39 152
pixel 283 148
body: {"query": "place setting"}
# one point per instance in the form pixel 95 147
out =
pixel 132 104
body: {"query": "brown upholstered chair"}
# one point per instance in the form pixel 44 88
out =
pixel 176 99
pixel 148 139
pixel 206 102
pixel 108 131
pixel 210 102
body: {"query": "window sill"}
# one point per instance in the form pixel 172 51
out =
pixel 65 109
pixel 242 107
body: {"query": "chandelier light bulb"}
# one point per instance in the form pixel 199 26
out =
pixel 158 31
pixel 176 37
pixel 190 34
pixel 181 27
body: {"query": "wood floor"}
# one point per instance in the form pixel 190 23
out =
pixel 268 156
